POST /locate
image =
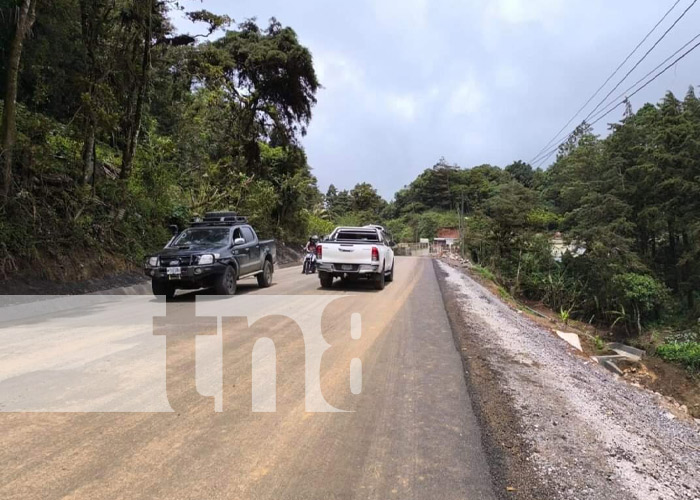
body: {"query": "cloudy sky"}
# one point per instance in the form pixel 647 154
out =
pixel 476 81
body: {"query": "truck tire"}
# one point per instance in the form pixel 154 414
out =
pixel 379 279
pixel 326 279
pixel 265 277
pixel 226 283
pixel 390 276
pixel 160 288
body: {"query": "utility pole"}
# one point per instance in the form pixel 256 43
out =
pixel 460 213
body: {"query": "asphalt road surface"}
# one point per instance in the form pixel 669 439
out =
pixel 409 434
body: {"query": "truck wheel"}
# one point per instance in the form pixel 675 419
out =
pixel 326 279
pixel 226 282
pixel 379 281
pixel 390 277
pixel 265 277
pixel 159 288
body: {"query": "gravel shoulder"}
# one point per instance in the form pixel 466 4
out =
pixel 555 424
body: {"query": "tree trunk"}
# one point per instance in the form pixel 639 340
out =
pixel 88 152
pixel 141 88
pixel 27 14
pixel 674 255
pixel 687 272
pixel 90 26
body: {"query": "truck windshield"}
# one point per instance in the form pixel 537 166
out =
pixel 202 237
pixel 357 235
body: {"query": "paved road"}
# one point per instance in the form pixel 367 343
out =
pixel 410 434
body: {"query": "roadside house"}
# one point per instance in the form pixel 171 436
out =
pixel 560 247
pixel 446 238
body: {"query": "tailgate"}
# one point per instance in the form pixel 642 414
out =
pixel 347 253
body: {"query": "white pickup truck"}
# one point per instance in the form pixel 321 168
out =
pixel 352 253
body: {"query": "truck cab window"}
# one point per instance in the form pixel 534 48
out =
pixel 248 234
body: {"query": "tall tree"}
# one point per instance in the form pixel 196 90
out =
pixel 142 18
pixel 521 172
pixel 95 18
pixel 25 15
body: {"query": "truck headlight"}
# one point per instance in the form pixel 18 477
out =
pixel 206 259
pixel 153 261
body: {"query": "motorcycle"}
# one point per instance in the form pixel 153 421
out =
pixel 309 263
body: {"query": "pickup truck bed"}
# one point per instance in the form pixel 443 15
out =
pixel 353 253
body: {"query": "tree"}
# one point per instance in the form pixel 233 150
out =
pixel 140 19
pixel 330 198
pixel 521 172
pixel 25 16
pixel 267 85
pixel 365 198
pixel 94 16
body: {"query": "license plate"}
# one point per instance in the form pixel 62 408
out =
pixel 346 267
pixel 174 271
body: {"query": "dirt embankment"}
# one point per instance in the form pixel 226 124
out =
pixel 289 254
pixel 556 424
pixel 75 275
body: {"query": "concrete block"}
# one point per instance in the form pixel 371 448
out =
pixel 571 338
pixel 631 353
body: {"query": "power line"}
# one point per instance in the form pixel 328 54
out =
pixel 607 80
pixel 642 59
pixel 614 102
pixel 646 84
pixel 650 81
pixel 539 157
pixel 623 94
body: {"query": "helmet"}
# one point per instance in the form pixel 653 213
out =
pixel 313 239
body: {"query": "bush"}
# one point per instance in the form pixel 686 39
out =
pixel 484 272
pixel 543 219
pixel 318 226
pixel 684 353
pixel 640 294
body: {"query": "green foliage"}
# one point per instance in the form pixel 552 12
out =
pixel 318 226
pixel 627 207
pixel 639 291
pixel 684 353
pixel 428 223
pixel 484 272
pixel 564 315
pixel 111 150
pixel 541 218
pixel 522 172
pixel 599 343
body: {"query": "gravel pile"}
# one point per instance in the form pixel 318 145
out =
pixel 591 433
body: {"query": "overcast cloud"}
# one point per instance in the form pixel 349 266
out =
pixel 476 81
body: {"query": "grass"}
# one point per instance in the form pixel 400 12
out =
pixel 600 344
pixel 685 353
pixel 484 273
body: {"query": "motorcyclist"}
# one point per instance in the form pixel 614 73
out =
pixel 311 245
pixel 310 249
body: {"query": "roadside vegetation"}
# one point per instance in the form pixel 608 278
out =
pixel 123 126
pixel 626 210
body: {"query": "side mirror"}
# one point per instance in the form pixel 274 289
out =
pixel 174 230
pixel 238 241
pixel 392 244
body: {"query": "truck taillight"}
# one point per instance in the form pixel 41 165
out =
pixel 319 252
pixel 375 254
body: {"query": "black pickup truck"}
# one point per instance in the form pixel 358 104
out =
pixel 212 253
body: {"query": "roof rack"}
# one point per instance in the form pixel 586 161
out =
pixel 220 219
